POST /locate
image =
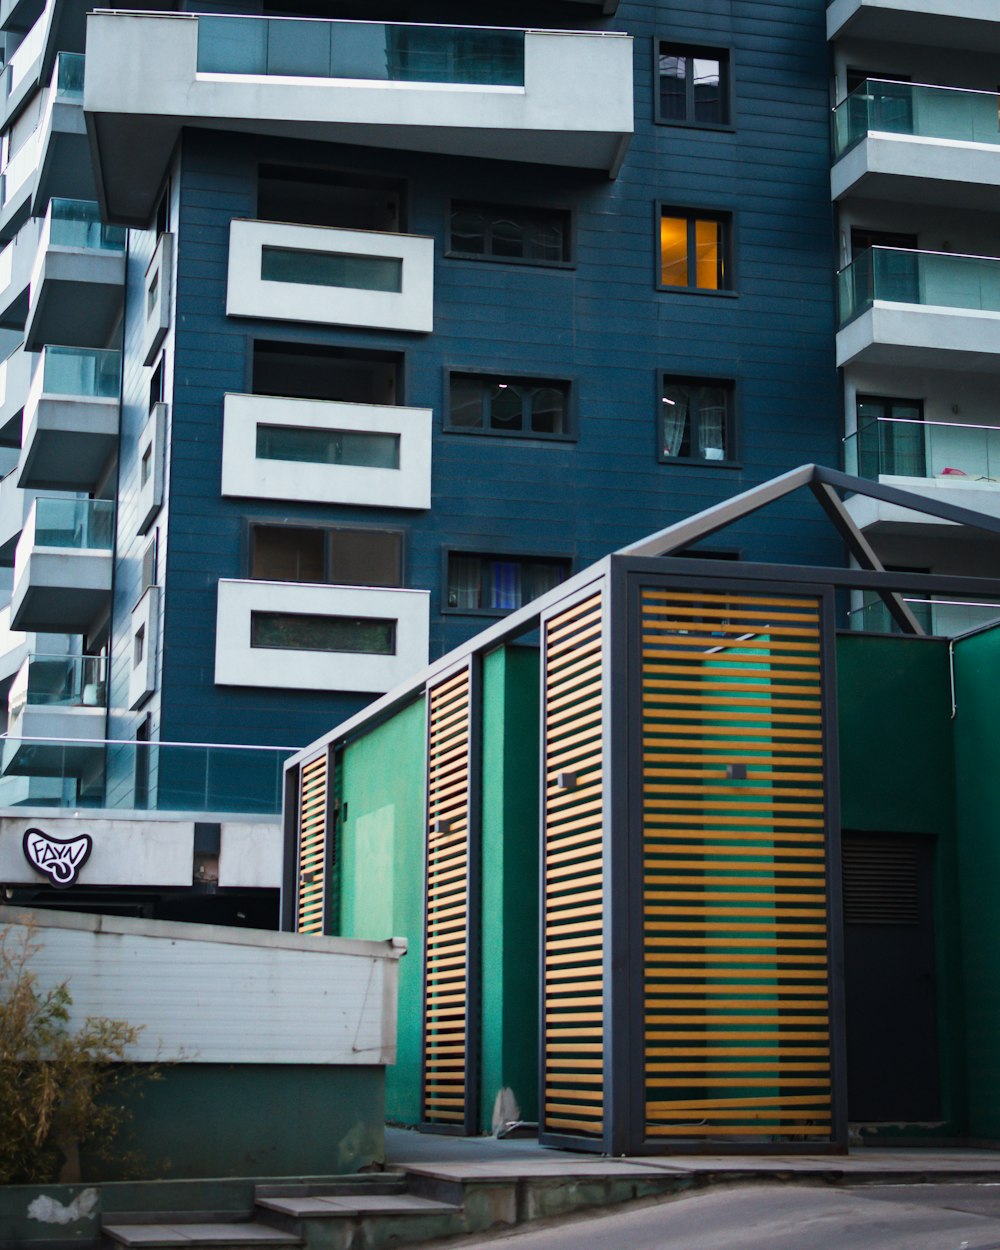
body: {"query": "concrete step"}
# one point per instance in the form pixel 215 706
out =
pixel 352 1205
pixel 192 1235
pixel 362 1183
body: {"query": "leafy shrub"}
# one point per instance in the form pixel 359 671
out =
pixel 57 1086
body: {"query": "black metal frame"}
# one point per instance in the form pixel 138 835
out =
pixel 628 577
pixel 289 888
pixel 473 932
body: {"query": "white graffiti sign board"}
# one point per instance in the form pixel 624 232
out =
pixel 59 859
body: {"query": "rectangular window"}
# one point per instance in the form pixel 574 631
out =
pixel 696 420
pixel 525 407
pixel 359 273
pixel 694 85
pixel 325 197
pixel 694 250
pixel 539 236
pixel 891 437
pixel 337 557
pixel 314 371
pixel 495 583
pixel 289 631
pixel 312 446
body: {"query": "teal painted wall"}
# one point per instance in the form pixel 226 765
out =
pixel 382 874
pixel 897 775
pixel 509 1056
pixel 977 741
pixel 199 1120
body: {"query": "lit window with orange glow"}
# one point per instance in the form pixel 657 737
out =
pixel 694 252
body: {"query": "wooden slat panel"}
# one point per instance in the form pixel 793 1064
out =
pixel 573 1100
pixel 446 933
pixel 311 872
pixel 734 867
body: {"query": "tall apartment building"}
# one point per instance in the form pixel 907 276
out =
pixel 916 168
pixel 337 337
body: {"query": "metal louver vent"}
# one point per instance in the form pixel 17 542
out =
pixel 880 882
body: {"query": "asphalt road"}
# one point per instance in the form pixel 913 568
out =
pixel 788 1217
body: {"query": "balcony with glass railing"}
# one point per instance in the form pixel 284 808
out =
pixel 552 97
pixel 941 617
pixel 70 423
pixel 904 139
pixel 62 565
pixel 17 260
pixel 58 696
pixel 130 776
pixel 929 309
pixel 25 61
pixel 78 277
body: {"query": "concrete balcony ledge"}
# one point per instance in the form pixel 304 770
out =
pixel 62 566
pixel 15 382
pixel 965 24
pixel 875 517
pixel 67 440
pixel 922 337
pixel 17 260
pixel 920 169
pixel 329 276
pixel 15 504
pixel 364 454
pixel 76 297
pixel 575 107
pixel 284 659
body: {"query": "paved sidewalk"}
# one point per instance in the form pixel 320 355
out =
pixel 482 1158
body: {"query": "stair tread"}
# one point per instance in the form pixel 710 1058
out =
pixel 184 1234
pixel 356 1204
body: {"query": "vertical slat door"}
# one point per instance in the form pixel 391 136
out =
pixel 737 1005
pixel 572 871
pixel 449 1081
pixel 312 850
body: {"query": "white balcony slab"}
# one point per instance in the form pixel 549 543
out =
pixel 922 337
pixel 920 170
pixel 17 260
pixel 15 504
pixel 67 441
pixel 237 663
pixel 79 731
pixel 15 382
pixel 575 108
pixel 246 474
pixel 248 294
pixel 76 297
pixel 959 24
pixel 876 517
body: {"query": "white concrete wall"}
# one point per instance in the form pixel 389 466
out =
pixel 208 994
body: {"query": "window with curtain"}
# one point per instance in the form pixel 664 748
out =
pixel 500 583
pixel 495 404
pixel 510 232
pixel 696 420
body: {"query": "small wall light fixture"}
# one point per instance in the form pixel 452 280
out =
pixel 566 781
pixel 441 826
pixel 736 772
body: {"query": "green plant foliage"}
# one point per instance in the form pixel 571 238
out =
pixel 58 1085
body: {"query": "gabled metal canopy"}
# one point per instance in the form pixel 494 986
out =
pixel 824 484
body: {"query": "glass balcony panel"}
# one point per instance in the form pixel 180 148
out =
pixel 20 167
pixel 77 223
pixel 79 524
pixel 917 110
pixel 63 681
pixel 175 777
pixel 302 48
pixel 91 373
pixel 931 279
pixel 947 452
pixel 69 75
pixel 940 617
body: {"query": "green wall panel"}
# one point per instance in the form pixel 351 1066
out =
pixel 201 1120
pixel 383 874
pixel 897 775
pixel 977 743
pixel 509 1039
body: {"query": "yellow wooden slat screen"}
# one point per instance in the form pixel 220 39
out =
pixel 446 937
pixel 737 999
pixel 312 845
pixel 573 1085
